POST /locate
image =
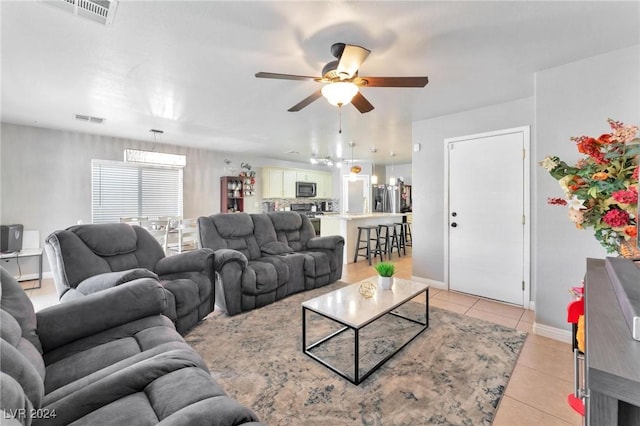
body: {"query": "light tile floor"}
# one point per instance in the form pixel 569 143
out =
pixel 543 377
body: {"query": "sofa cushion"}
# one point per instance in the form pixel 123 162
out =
pixel 317 263
pixel 264 279
pixel 85 356
pixel 16 303
pixel 15 364
pixel 126 381
pixel 112 279
pixel 12 402
pixel 232 231
pixel 85 381
pixel 107 239
pixel 276 247
pixel 292 229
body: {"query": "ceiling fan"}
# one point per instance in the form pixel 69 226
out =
pixel 341 80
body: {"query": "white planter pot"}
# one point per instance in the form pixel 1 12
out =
pixel 385 283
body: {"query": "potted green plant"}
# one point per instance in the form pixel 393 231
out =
pixel 385 274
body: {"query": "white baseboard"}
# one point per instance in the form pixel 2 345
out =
pixel 558 334
pixel 532 305
pixel 31 277
pixel 432 283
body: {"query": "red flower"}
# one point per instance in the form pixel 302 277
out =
pixel 557 201
pixel 628 196
pixel 631 231
pixel 616 218
pixel 634 175
pixel 591 147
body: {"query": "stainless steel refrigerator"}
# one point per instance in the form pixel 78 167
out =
pixel 391 198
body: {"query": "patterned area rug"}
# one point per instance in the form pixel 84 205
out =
pixel 454 373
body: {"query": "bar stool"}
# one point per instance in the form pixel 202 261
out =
pixel 389 239
pixel 402 237
pixel 368 250
pixel 406 226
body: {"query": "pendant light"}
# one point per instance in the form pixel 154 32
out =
pixel 392 179
pixel 352 170
pixel 374 176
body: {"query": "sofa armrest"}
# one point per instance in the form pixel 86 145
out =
pixel 224 256
pixel 82 317
pixel 111 279
pixel 191 261
pixel 329 242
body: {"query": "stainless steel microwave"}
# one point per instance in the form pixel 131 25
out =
pixel 305 189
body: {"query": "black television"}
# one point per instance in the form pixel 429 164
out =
pixel 11 238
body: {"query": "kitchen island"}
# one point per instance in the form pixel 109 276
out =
pixel 347 226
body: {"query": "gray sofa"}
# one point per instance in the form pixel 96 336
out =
pixel 265 257
pixel 107 358
pixel 90 258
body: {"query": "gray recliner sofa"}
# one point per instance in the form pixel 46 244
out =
pixel 107 358
pixel 90 258
pixel 265 257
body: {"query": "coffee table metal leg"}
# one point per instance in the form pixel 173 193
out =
pixel 356 374
pixel 304 329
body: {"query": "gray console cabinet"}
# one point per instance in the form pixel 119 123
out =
pixel 612 356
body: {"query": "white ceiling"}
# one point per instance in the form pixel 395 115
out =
pixel 188 67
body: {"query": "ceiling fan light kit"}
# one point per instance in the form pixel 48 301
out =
pixel 339 93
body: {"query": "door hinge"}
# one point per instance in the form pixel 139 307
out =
pixel 523 219
pixel 524 151
pixel 522 285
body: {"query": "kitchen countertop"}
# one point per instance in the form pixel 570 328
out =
pixel 348 216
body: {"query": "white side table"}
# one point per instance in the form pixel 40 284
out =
pixel 27 252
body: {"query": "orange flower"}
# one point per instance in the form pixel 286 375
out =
pixel 606 138
pixel 577 183
pixel 600 176
pixel 631 230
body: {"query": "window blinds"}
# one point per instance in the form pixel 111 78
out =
pixel 127 189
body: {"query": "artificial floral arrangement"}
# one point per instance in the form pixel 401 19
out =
pixel 601 190
pixel 385 269
pixel 385 274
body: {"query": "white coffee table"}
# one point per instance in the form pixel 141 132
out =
pixel 353 311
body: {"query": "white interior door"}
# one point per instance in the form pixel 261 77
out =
pixel 486 216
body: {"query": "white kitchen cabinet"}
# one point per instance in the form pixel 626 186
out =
pixel 288 183
pixel 272 179
pixel 324 187
pixel 306 176
pixel 279 182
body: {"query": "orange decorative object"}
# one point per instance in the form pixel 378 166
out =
pixel 580 333
pixel 356 169
pixel 629 249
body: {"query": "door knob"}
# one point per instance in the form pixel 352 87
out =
pixel 453 225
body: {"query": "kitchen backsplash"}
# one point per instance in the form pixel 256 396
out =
pixel 282 204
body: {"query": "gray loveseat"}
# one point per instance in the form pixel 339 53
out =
pixel 265 257
pixel 90 258
pixel 107 358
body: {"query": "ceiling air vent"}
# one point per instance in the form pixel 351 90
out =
pixel 101 11
pixel 89 119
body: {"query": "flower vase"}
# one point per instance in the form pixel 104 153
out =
pixel 385 283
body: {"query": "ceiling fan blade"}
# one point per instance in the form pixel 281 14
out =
pixel 283 76
pixel 395 81
pixel 361 103
pixel 350 61
pixel 306 101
